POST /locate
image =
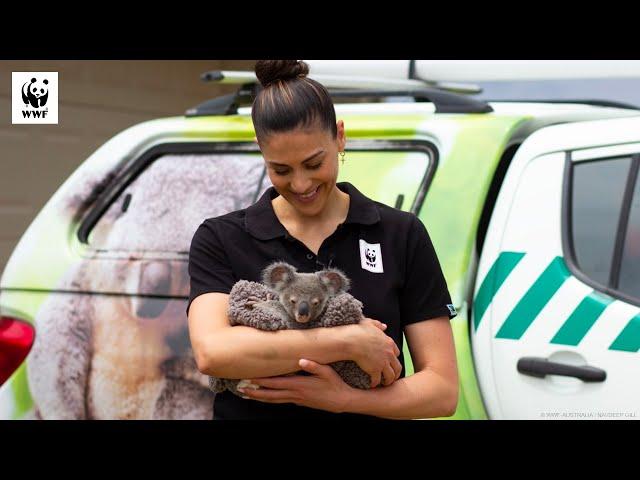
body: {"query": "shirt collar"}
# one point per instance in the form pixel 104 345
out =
pixel 261 220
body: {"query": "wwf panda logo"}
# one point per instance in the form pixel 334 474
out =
pixel 35 93
pixel 371 257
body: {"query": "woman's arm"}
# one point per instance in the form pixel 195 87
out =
pixel 243 352
pixel 432 391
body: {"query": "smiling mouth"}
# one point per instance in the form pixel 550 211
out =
pixel 308 196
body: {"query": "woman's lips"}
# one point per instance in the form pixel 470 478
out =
pixel 309 199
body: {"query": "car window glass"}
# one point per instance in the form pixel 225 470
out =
pixel 608 89
pixel 597 194
pixel 160 210
pixel 629 282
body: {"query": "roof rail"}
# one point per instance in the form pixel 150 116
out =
pixel 594 102
pixel 445 102
pixel 361 87
pixel 329 81
pixel 226 104
pixel 352 81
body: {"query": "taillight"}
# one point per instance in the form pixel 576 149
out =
pixel 16 338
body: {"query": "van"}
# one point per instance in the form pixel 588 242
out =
pixel 533 209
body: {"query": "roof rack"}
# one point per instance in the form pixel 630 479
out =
pixel 338 86
pixel 594 102
pixel 445 102
pixel 226 104
pixel 329 81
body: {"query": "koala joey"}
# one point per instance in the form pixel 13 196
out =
pixel 291 300
pixel 301 297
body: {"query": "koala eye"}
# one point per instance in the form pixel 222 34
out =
pixel 315 301
pixel 293 300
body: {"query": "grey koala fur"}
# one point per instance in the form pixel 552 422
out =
pixel 268 307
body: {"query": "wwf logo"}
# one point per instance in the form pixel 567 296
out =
pixel 35 93
pixel 34 97
pixel 371 257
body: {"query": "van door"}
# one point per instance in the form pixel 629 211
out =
pixel 556 305
pixel 114 331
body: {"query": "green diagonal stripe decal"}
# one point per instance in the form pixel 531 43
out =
pixel 496 276
pixel 582 319
pixel 534 300
pixel 629 338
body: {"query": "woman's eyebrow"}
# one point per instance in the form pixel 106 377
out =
pixel 304 161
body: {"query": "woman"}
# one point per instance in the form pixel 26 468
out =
pixel 311 222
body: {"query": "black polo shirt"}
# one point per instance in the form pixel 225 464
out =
pixel 387 254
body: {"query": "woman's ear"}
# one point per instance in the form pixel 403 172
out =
pixel 255 139
pixel 342 138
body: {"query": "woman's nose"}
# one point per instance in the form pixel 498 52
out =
pixel 301 184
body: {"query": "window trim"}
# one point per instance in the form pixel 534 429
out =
pixel 135 168
pixel 623 223
pixel 568 249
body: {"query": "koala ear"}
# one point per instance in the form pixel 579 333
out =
pixel 335 281
pixel 278 275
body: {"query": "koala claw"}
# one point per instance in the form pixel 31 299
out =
pixel 251 301
pixel 247 384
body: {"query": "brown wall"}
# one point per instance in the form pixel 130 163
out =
pixel 97 99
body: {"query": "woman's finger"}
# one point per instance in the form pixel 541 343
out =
pixel 388 375
pixel 377 323
pixel 282 383
pixel 268 395
pixel 397 369
pixel 375 380
pixel 315 368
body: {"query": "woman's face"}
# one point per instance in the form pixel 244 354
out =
pixel 303 166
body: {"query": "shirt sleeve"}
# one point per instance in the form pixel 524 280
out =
pixel 209 267
pixel 425 294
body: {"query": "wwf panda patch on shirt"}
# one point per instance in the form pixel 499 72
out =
pixel 371 257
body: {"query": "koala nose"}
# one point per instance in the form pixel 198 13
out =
pixel 303 308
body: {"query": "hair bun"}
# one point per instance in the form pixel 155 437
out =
pixel 269 71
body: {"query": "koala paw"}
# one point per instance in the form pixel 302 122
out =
pixel 252 301
pixel 247 384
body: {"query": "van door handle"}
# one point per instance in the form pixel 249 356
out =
pixel 541 367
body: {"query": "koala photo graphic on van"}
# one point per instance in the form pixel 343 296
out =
pixel 34 97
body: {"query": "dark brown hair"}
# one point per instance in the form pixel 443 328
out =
pixel 289 99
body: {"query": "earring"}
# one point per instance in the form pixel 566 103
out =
pixel 342 157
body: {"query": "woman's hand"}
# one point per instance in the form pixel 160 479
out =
pixel 375 352
pixel 324 389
